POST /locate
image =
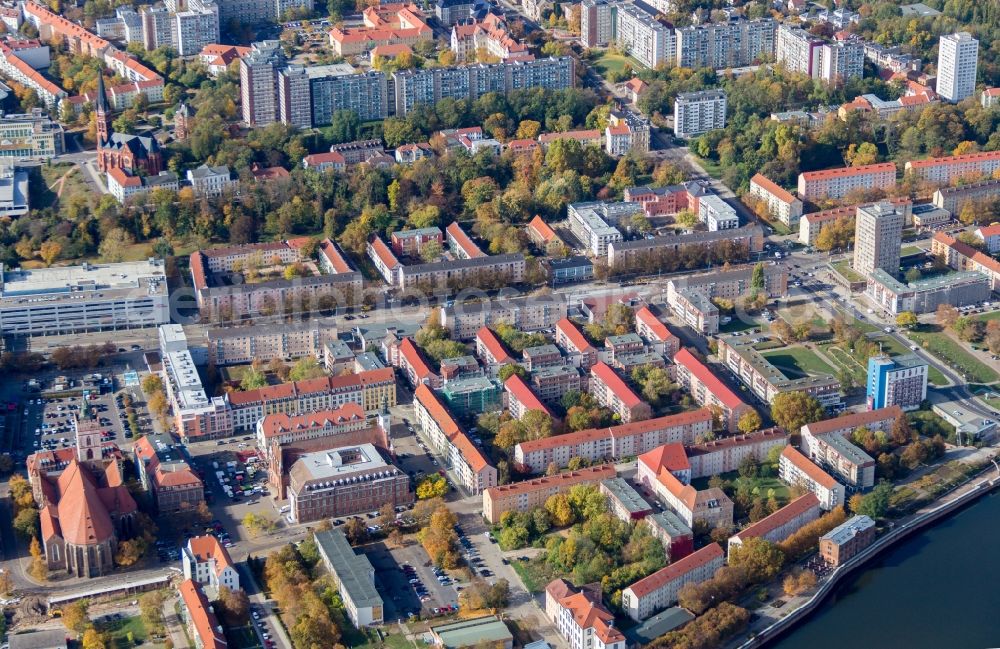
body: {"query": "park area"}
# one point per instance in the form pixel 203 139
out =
pixel 933 339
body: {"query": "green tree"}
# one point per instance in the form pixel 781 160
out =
pixel 875 503
pixel 906 319
pixel 432 486
pixel 510 370
pixel 793 410
pixel 761 559
pixel 749 422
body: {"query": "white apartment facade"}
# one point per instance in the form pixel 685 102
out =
pixel 717 214
pixel 699 112
pixel 958 57
pixel 878 231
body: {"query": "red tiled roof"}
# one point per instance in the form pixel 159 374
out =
pixel 990 231
pixel 847 210
pixel 384 254
pixel 524 394
pixel 737 440
pixel 567 478
pixel 541 228
pixel 574 335
pixel 463 240
pixel 415 359
pixel 392 50
pixel 322 384
pixel 329 250
pixel 589 613
pixel 620 431
pixel 521 146
pixel 967 251
pixel 677 569
pixel 955 159
pixel 710 380
pixel 278 423
pixel 992 92
pixel 30 72
pixel 208 547
pixel 450 427
pixel 613 382
pixel 494 345
pixel 636 85
pixel 619 129
pixel 792 510
pixel 772 188
pixel 205 624
pixel 669 456
pixel 883 167
pixel 330 157
pixel 123 178
pixel 804 464
pixel 854 420
pixel 655 325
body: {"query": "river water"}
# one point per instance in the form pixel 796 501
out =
pixel 939 589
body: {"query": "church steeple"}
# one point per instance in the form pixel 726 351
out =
pixel 103 113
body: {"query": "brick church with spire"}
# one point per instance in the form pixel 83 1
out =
pixel 135 154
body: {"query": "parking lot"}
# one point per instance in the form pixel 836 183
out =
pixel 47 422
pixel 262 624
pixel 409 583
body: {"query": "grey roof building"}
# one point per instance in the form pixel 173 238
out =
pixel 355 577
pixel 48 639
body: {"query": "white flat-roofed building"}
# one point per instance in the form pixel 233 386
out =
pixel 699 112
pixel 590 223
pixel 958 57
pixel 89 297
pixel 717 214
pixel 13 191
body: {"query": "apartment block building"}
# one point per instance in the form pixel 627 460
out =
pixel 242 345
pixel 827 444
pixel 961 256
pixel 707 390
pixel 749 238
pixel 491 350
pixel 958 59
pixel 529 494
pixel 716 214
pixel 657 201
pixel 440 429
pixel 699 112
pixel 767 381
pixel 643 36
pixel 780 204
pixel 878 232
pixel 781 524
pixel 355 578
pixel 461 272
pixel 463 320
pixel 655 333
pixel 811 224
pixel 709 506
pixel 580 617
pixel 571 339
pixel 948 169
pixel 521 399
pixel 954 199
pixel 602 444
pixel 925 295
pixel 388 24
pixel 727 453
pixel 833 62
pixel 838 183
pixel 339 87
pixel 676 537
pixel 597 22
pixel 899 381
pixel 659 590
pixel 592 223
pixel 552 382
pixel 732 44
pixel 259 83
pixel 611 391
pixel 205 561
pixel 794 468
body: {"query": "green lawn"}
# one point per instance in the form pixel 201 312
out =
pixel 119 630
pixel 951 352
pixel 893 347
pixel 986 317
pixel 758 486
pixel 712 168
pixel 608 62
pixel 846 361
pixel 797 362
pixel 843 267
pixel 911 250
